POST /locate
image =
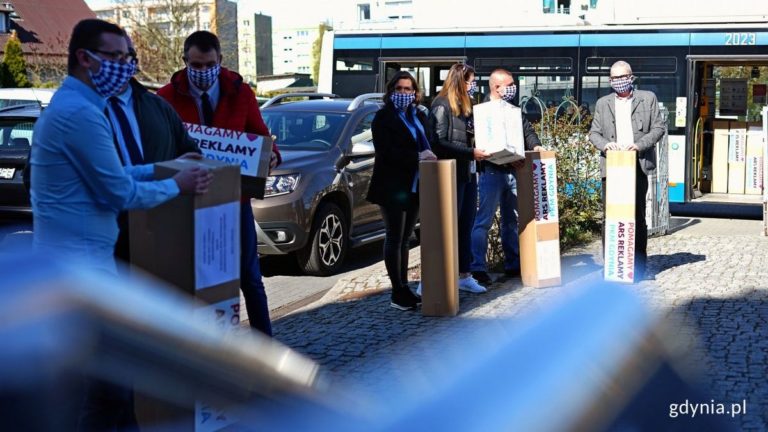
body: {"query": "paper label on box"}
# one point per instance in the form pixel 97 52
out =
pixel 737 145
pixel 754 172
pixel 217 244
pixel 247 150
pixel 616 193
pixel 548 259
pixel 545 190
pixel 209 418
pixel 224 315
pixel 619 250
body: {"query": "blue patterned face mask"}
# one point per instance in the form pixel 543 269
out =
pixel 472 89
pixel 204 79
pixel 402 100
pixel 509 92
pixel 622 85
pixel 112 76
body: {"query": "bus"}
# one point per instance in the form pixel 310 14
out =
pixel 711 78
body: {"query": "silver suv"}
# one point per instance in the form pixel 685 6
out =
pixel 315 206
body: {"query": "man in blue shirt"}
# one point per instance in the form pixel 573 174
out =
pixel 79 184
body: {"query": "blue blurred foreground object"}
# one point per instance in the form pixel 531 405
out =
pixel 597 361
pixel 60 324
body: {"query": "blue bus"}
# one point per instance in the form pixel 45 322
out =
pixel 711 78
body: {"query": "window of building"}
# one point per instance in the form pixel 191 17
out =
pixel 206 26
pixel 364 12
pixel 557 6
pixel 126 14
pixel 246 23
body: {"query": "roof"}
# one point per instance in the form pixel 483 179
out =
pixel 45 26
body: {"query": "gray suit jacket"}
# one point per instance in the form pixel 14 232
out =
pixel 646 122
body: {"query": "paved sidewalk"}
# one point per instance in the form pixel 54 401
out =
pixel 710 284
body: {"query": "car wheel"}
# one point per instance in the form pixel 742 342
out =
pixel 328 242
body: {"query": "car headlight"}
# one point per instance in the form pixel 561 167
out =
pixel 281 184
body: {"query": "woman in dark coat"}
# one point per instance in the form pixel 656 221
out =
pixel 401 141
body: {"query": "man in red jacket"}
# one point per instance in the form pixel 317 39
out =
pixel 205 93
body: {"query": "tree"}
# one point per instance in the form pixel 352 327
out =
pixel 158 29
pixel 317 48
pixel 14 65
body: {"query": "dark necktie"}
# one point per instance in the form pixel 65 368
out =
pixel 207 109
pixel 127 133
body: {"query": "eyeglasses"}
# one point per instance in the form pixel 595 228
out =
pixel 620 77
pixel 125 57
pixel 404 89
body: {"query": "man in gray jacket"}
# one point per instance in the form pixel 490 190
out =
pixel 629 120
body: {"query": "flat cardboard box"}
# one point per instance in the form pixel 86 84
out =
pixel 620 216
pixel 754 160
pixel 538 219
pixel 737 148
pixel 720 157
pixel 439 238
pixel 499 131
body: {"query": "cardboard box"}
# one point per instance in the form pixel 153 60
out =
pixel 538 219
pixel 620 216
pixel 720 157
pixel 754 160
pixel 193 243
pixel 737 149
pixel 439 238
pixel 248 151
pixel 499 131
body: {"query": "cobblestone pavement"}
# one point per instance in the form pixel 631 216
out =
pixel 711 287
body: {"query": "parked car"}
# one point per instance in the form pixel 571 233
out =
pixel 315 206
pixel 16 124
pixel 25 96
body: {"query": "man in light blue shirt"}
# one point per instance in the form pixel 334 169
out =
pixel 79 184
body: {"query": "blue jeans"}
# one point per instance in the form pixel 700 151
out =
pixel 250 274
pixel 466 197
pixel 497 186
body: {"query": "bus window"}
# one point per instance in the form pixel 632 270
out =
pixel 664 86
pixel 537 92
pixel 354 64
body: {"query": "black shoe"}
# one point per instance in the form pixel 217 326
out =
pixel 404 299
pixel 512 272
pixel 482 277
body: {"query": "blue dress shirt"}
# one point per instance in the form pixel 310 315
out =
pixel 78 182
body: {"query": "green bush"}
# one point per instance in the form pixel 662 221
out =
pixel 578 183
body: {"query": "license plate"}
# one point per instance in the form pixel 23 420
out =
pixel 7 173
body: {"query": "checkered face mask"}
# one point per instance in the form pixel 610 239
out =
pixel 402 100
pixel 112 76
pixel 472 89
pixel 204 79
pixel 622 85
pixel 509 92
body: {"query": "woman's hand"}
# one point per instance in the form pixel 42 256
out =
pixel 427 155
pixel 480 154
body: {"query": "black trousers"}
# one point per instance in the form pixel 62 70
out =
pixel 641 228
pixel 398 224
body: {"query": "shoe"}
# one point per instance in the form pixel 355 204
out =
pixel 482 277
pixel 512 272
pixel 470 284
pixel 404 299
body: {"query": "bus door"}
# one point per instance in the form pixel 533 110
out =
pixel 430 72
pixel 726 151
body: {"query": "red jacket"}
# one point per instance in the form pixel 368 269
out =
pixel 237 109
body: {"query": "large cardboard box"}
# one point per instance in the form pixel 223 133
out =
pixel 538 220
pixel 439 238
pixel 754 170
pixel 193 243
pixel 620 216
pixel 737 149
pixel 499 131
pixel 720 157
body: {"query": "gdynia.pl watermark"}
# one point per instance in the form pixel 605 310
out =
pixel 692 409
